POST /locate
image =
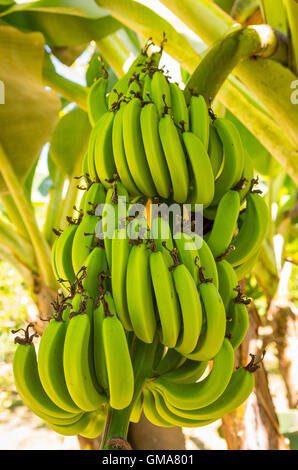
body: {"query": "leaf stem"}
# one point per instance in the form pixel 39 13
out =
pixel 53 207
pixel 41 247
pixel 225 55
pixel 114 51
pixel 70 90
pixel 14 215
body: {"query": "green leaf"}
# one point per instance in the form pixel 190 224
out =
pixel 30 113
pixel 259 154
pixel 63 23
pixel 292 12
pixel 147 23
pixel 225 5
pixel 70 139
pixel 29 182
pixel 84 8
pixel 95 68
pixel 67 55
pixel 275 14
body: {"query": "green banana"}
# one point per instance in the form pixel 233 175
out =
pixel 225 223
pixel 63 255
pixel 149 120
pixel 200 394
pixel 189 372
pixel 134 148
pixel 53 254
pixel 150 411
pixel 212 336
pixel 215 150
pixel 114 210
pixel 245 268
pixel 248 241
pixel 137 410
pixel 187 253
pixel 166 299
pixel 199 119
pixel 167 414
pixel 94 195
pixel 118 360
pixel 238 323
pixel 140 293
pixel 206 259
pixel 135 88
pixel 177 166
pixel 202 184
pixel 103 149
pixel 191 309
pixel 96 100
pixel 227 282
pixel 95 133
pixel 95 426
pixel 72 429
pixel 247 176
pixel 146 93
pixel 95 263
pixel 83 240
pixel 50 419
pixel 50 361
pixel 98 347
pixel 78 368
pixel 121 247
pixel 236 393
pixel 161 234
pixel 160 92
pixel 179 107
pixel 170 361
pixel 119 153
pixel 29 386
pixel 233 160
pixel 121 86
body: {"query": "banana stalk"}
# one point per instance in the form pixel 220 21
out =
pixel 275 14
pixel 278 80
pixel 292 12
pixel 117 421
pixel 40 245
pixel 21 248
pixel 263 127
pixel 242 10
pixel 223 57
pixel 14 215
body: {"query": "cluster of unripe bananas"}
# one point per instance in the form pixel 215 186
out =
pixel 130 285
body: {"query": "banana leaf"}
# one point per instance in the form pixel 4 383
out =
pixel 70 139
pixel 30 112
pixel 62 25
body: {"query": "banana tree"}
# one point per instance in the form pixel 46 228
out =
pixel 247 70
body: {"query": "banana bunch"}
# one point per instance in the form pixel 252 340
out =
pixel 149 315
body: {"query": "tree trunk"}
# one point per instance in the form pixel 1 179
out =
pixel 254 426
pixel 283 318
pixel 145 436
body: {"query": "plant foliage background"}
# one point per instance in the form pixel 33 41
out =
pixel 49 53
